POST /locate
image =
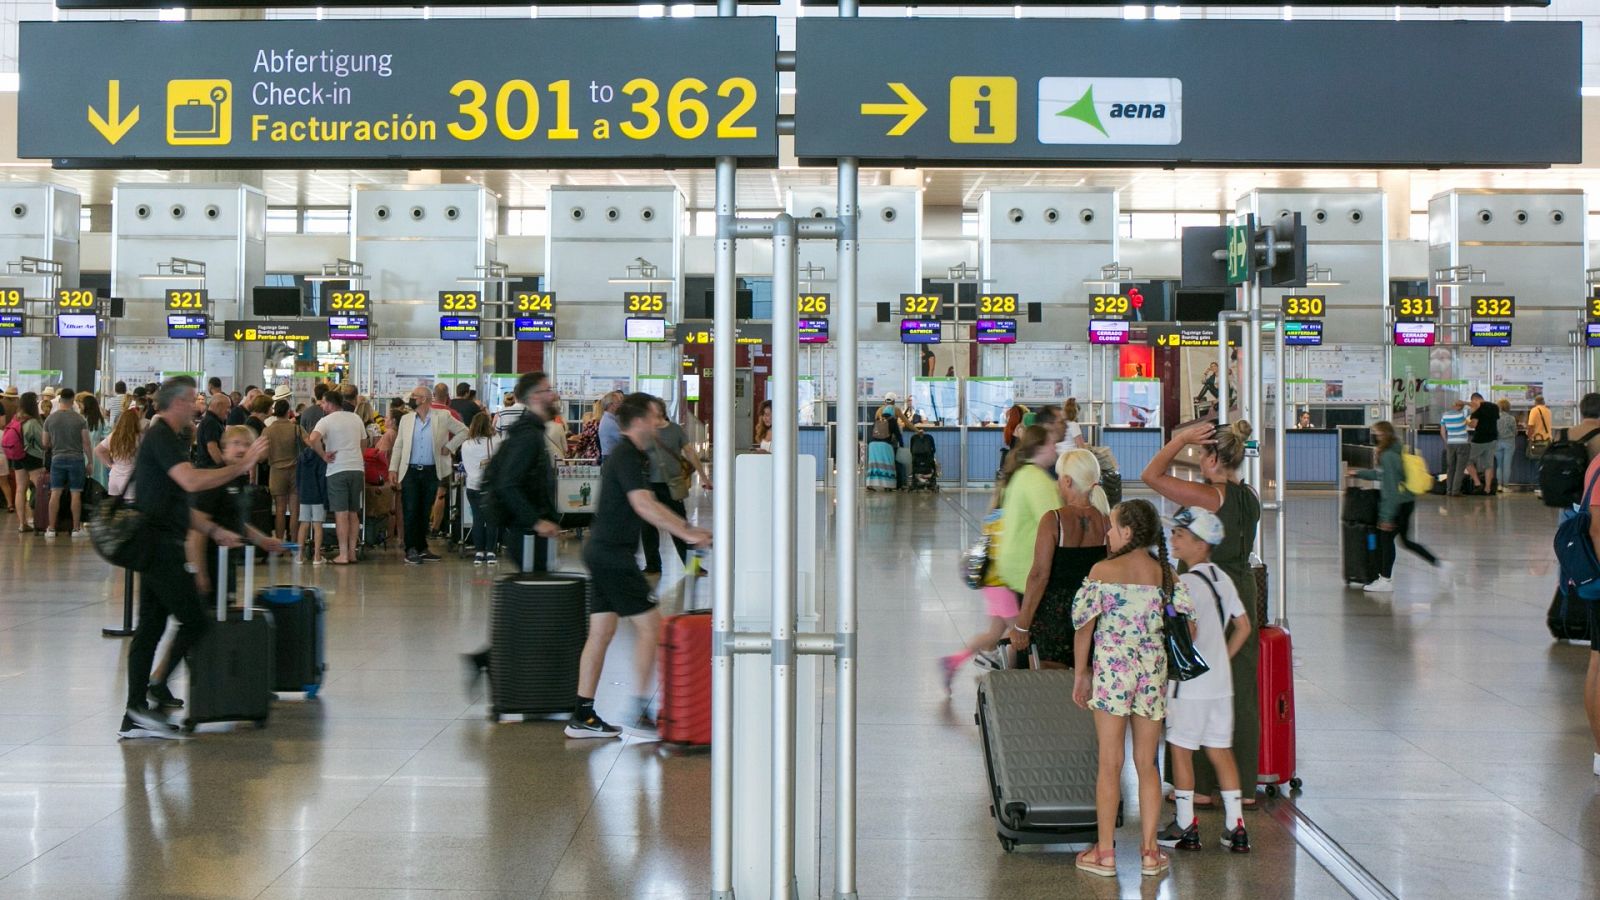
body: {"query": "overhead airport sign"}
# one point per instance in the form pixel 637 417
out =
pixel 247 330
pixel 394 92
pixel 1236 92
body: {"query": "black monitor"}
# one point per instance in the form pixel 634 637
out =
pixel 276 301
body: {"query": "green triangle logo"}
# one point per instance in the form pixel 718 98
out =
pixel 1083 111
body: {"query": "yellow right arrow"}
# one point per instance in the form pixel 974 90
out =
pixel 111 127
pixel 909 111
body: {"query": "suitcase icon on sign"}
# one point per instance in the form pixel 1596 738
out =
pixel 199 112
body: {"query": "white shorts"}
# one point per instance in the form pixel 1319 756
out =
pixel 1193 723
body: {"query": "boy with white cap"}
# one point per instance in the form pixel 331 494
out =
pixel 1200 711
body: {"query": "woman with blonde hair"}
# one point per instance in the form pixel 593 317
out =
pixel 1220 491
pixel 117 451
pixel 1068 542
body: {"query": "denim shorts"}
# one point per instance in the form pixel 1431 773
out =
pixel 68 473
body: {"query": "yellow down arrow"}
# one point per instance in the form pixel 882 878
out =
pixel 909 111
pixel 112 128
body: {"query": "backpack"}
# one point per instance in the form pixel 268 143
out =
pixel 375 466
pixel 1110 478
pixel 880 429
pixel 11 442
pixel 1561 473
pixel 1580 569
pixel 1418 480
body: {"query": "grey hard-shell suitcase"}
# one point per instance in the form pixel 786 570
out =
pixel 1041 754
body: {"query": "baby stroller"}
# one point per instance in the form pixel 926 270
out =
pixel 924 463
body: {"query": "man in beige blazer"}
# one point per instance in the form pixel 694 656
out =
pixel 425 442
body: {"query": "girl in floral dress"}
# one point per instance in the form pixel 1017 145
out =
pixel 1119 608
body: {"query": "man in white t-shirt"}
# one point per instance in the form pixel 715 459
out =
pixel 340 437
pixel 1200 710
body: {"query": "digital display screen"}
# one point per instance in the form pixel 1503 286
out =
pixel 535 328
pixel 458 328
pixel 182 326
pixel 77 325
pixel 1414 334
pixel 813 331
pixel 996 331
pixel 1302 334
pixel 11 325
pixel 1108 331
pixel 648 330
pixel 920 331
pixel 348 328
pixel 1490 334
pixel 1591 333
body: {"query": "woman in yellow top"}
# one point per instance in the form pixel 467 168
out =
pixel 1028 492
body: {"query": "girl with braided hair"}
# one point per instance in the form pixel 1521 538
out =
pixel 1119 609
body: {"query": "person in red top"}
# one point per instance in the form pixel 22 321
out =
pixel 441 400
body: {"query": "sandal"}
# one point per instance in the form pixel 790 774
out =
pixel 1160 865
pixel 1093 861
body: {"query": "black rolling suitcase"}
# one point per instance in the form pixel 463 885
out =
pixel 537 627
pixel 1041 755
pixel 1359 536
pixel 1568 617
pixel 231 668
pixel 298 634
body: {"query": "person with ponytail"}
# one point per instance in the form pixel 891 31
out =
pixel 1027 491
pixel 1221 492
pixel 1068 542
pixel 1120 611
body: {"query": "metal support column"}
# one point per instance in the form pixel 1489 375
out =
pixel 1254 320
pixel 723 439
pixel 846 498
pixel 785 449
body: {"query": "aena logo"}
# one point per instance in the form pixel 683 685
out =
pixel 1110 111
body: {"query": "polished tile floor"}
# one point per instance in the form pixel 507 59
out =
pixel 1441 739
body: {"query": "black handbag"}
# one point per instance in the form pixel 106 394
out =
pixel 1184 662
pixel 114 529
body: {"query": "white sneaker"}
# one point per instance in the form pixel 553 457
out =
pixel 50 534
pixel 479 559
pixel 1381 586
pixel 80 532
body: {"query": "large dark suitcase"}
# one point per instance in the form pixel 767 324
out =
pixel 685 716
pixel 1361 506
pixel 537 626
pixel 298 634
pixel 1569 617
pixel 1275 683
pixel 1041 756
pixel 231 668
pixel 1359 548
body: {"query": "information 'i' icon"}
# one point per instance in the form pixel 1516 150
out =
pixel 983 110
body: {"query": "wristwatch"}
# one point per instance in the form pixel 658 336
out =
pixel 191 568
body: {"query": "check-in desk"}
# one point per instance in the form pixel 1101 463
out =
pixel 1133 448
pixel 1311 457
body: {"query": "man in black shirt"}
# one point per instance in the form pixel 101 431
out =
pixel 208 440
pixel 163 480
pixel 626 505
pixel 463 405
pixel 1485 426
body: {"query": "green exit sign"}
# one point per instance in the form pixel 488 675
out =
pixel 1238 254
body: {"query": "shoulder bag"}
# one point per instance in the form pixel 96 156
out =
pixel 114 530
pixel 1184 662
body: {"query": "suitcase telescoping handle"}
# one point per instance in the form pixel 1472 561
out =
pixel 527 552
pixel 247 588
pixel 695 565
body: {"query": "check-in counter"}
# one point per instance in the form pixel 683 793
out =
pixel 1312 457
pixel 1524 471
pixel 1133 448
pixel 813 441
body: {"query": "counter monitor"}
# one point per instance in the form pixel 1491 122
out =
pixel 649 330
pixel 921 331
pixel 1414 334
pixel 1108 331
pixel 1302 334
pixel 995 331
pixel 458 328
pixel 349 328
pixel 813 331
pixel 534 328
pixel 11 325
pixel 188 326
pixel 1489 334
pixel 1591 333
pixel 77 325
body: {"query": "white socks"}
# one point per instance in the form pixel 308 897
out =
pixel 1185 802
pixel 1232 810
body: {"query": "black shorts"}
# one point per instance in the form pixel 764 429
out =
pixel 621 590
pixel 28 463
pixel 1594 625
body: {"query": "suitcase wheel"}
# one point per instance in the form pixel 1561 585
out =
pixel 1296 783
pixel 1009 845
pixel 311 691
pixel 1272 790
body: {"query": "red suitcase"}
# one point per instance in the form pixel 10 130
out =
pixel 685 715
pixel 1275 680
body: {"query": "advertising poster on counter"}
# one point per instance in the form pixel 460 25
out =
pixel 1136 402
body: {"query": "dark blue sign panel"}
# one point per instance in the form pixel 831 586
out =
pixel 535 328
pixel 995 331
pixel 813 331
pixel 11 325
pixel 458 328
pixel 921 331
pixel 1303 334
pixel 1591 334
pixel 1490 334
pixel 349 328
pixel 182 326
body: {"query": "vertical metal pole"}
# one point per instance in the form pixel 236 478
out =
pixel 844 689
pixel 724 435
pixel 785 433
pixel 1222 369
pixel 1280 467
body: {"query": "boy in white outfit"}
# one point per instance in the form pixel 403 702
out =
pixel 1200 710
